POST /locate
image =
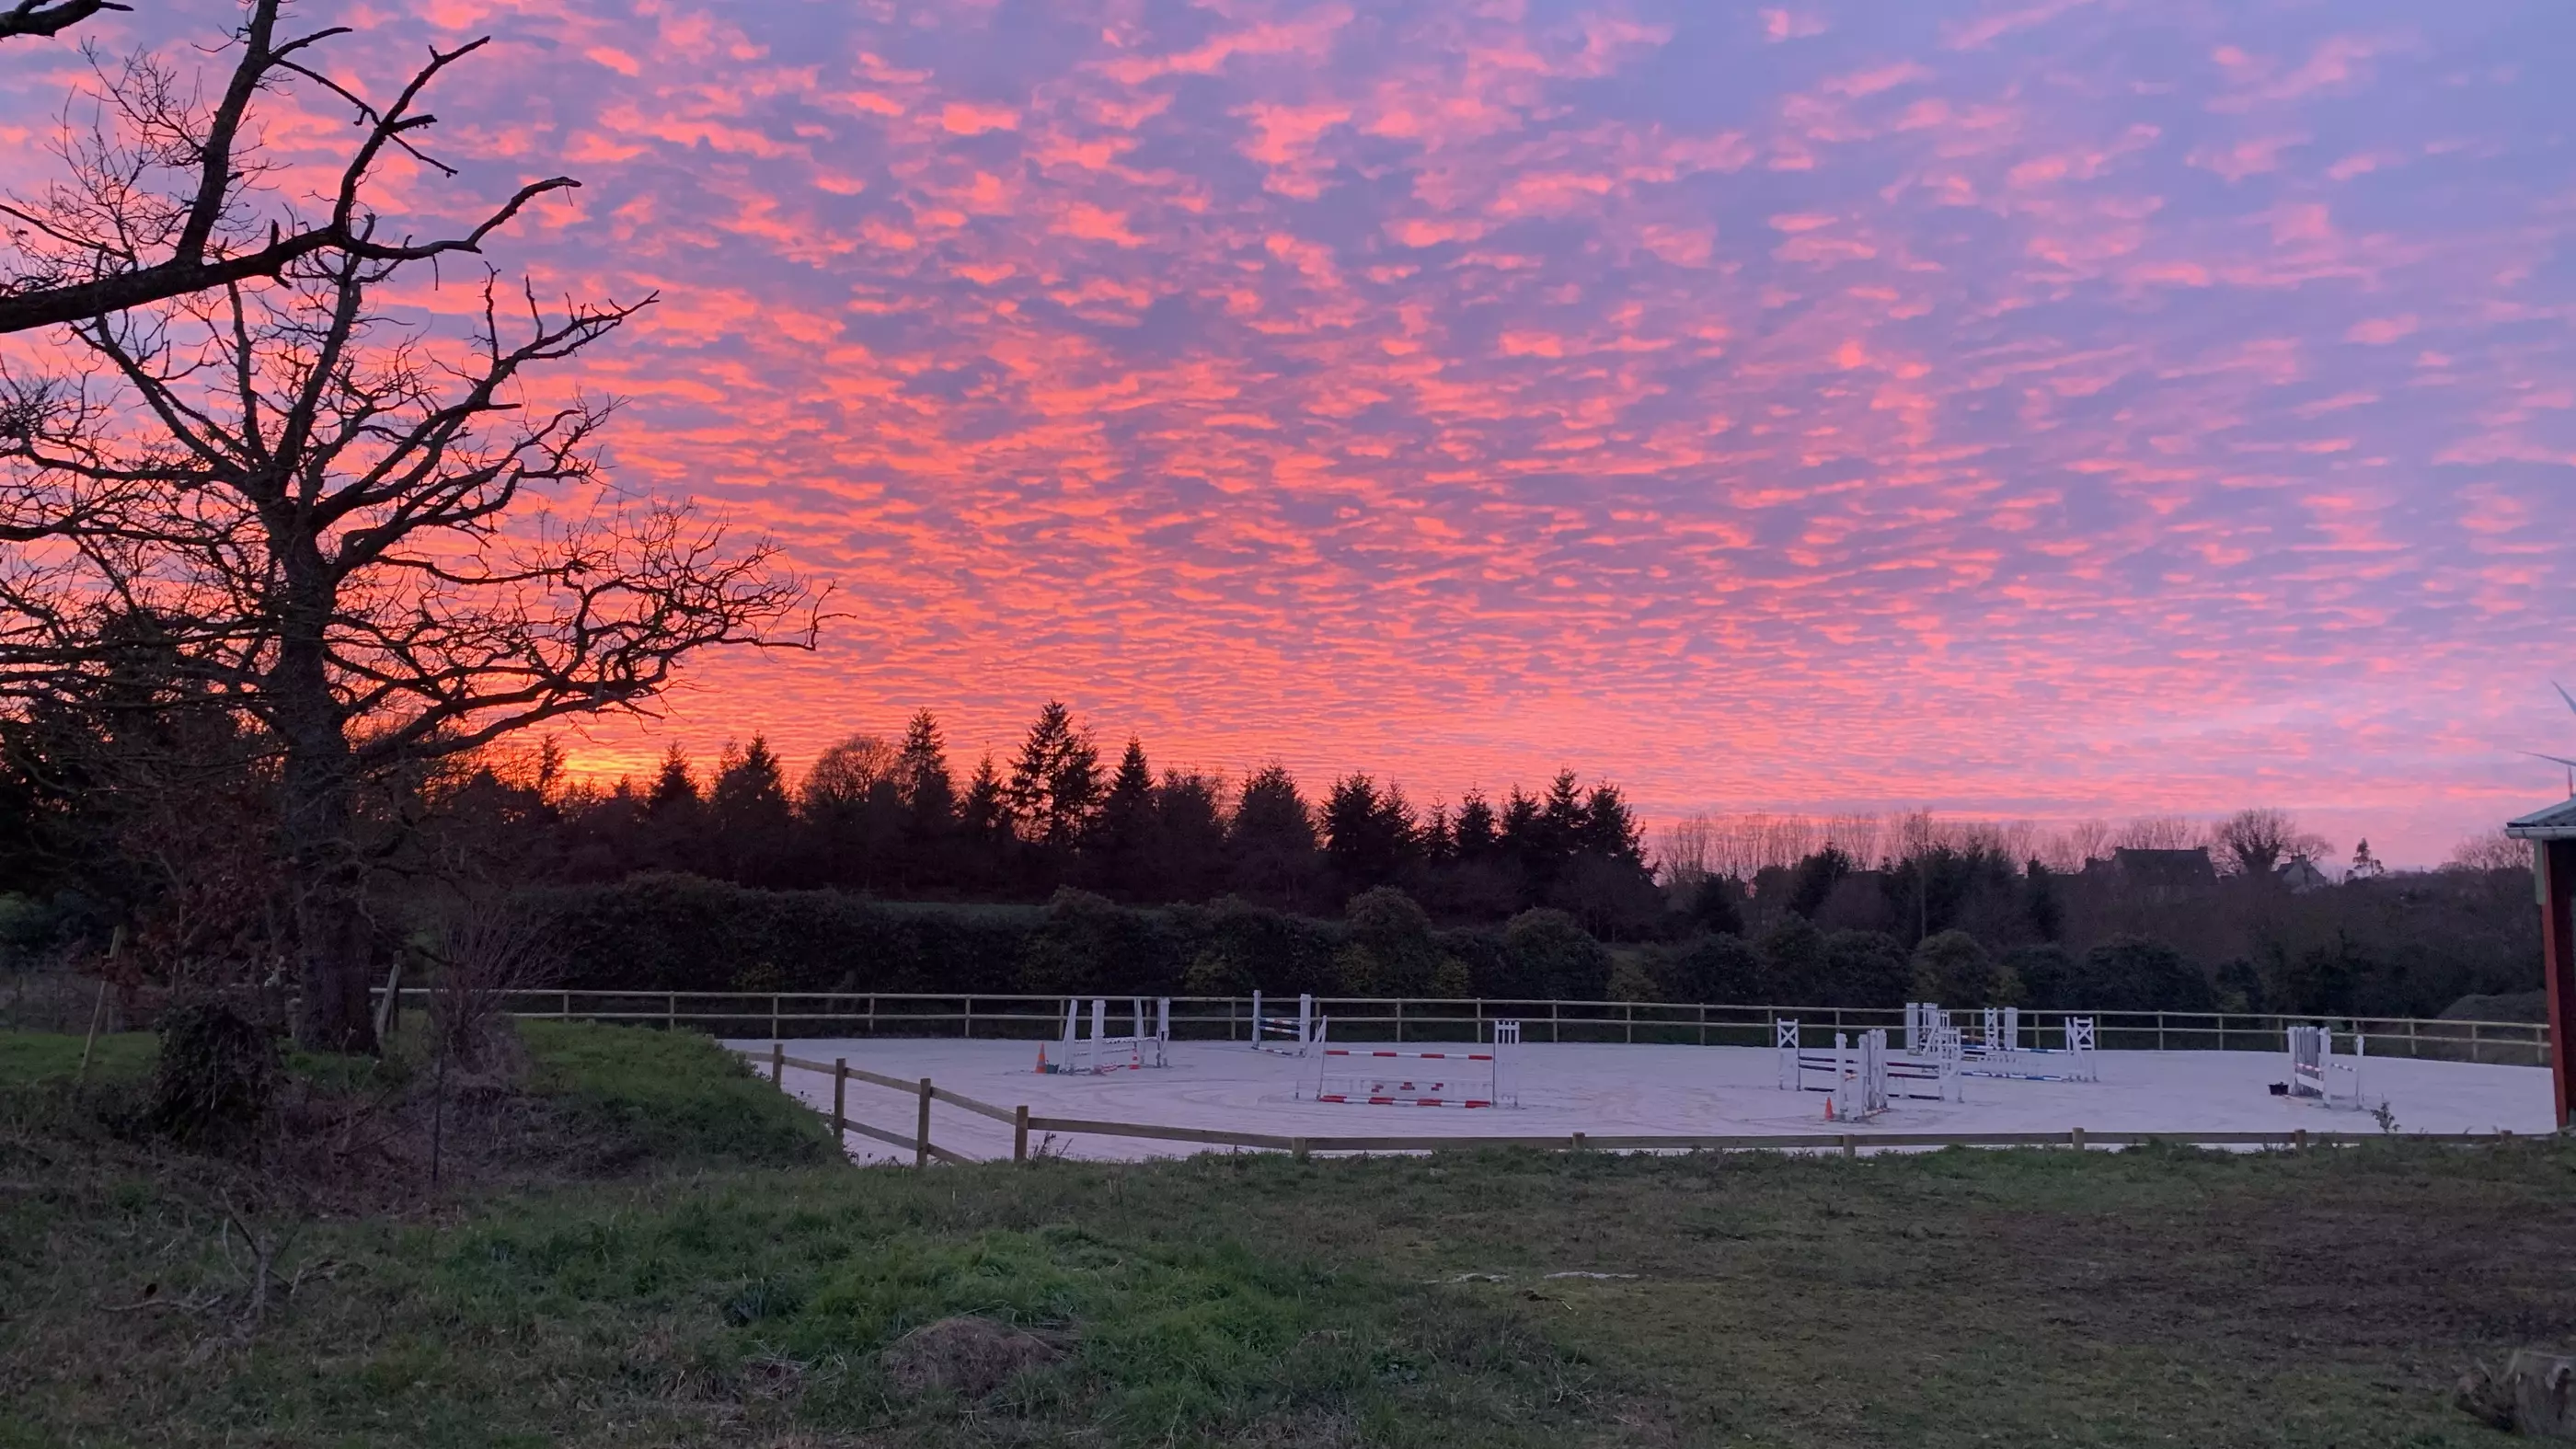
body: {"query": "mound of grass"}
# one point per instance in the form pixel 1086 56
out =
pixel 668 1097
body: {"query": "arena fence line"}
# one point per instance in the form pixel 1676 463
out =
pixel 787 1015
pixel 923 1093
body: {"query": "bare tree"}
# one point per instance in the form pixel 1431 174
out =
pixel 488 951
pixel 2255 843
pixel 307 501
pixel 2158 832
pixel 29 17
pixel 165 196
pixel 2490 850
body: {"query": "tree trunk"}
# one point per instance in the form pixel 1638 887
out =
pixel 334 940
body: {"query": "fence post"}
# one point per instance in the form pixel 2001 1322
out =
pixel 566 1013
pixel 1703 1023
pixel 2473 1041
pixel 1632 1023
pixel 773 1016
pixel 2075 1139
pixel 1020 1133
pixel 2160 1031
pixel 1578 1142
pixel 2299 1140
pixel 671 1012
pixel 777 1063
pixel 840 1097
pixel 1850 1148
pixel 921 1131
pixel 1399 1021
pixel 1555 1024
pixel 970 1018
pixel 872 1013
pixel 1297 1148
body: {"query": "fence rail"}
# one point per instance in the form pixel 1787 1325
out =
pixel 1849 1144
pixel 789 1015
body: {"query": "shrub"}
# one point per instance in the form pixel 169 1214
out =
pixel 1391 950
pixel 1555 957
pixel 2137 973
pixel 216 1074
pixel 1952 968
pixel 1630 982
pixel 1865 968
pixel 1793 962
pixel 2046 974
pixel 1714 968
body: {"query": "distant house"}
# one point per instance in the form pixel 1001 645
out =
pixel 2156 875
pixel 2166 874
pixel 2300 875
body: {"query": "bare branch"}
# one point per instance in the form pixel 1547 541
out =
pixel 198 241
pixel 28 17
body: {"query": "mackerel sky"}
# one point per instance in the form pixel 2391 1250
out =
pixel 2035 410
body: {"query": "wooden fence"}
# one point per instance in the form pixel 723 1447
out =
pixel 923 1093
pixel 788 1015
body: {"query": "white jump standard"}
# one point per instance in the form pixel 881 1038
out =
pixel 1994 1048
pixel 1101 1052
pixel 1287 1036
pixel 2318 1075
pixel 1858 1078
pixel 1414 1076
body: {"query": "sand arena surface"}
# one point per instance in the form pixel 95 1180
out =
pixel 1630 1090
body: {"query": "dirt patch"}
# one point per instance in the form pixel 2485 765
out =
pixel 971 1356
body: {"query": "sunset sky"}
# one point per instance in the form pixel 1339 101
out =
pixel 2034 410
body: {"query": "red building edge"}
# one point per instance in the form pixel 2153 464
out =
pixel 2552 833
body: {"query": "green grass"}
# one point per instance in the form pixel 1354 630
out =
pixel 671 1097
pixel 1955 1298
pixel 30 1058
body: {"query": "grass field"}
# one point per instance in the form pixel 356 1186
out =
pixel 700 1287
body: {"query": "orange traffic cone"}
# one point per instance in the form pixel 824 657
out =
pixel 1829 1109
pixel 1042 1059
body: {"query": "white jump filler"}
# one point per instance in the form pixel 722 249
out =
pixel 1413 1076
pixel 1101 1052
pixel 2318 1075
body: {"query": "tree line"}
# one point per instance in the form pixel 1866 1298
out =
pixel 895 818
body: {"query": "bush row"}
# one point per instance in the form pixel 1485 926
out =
pixel 683 933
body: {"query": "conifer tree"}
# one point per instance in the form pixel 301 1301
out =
pixel 921 777
pixel 1273 837
pixel 1055 783
pixel 984 825
pixel 748 813
pixel 1476 834
pixel 674 788
pixel 1122 840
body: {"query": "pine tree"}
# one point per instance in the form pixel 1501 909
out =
pixel 673 786
pixel 748 813
pixel 984 826
pixel 1055 782
pixel 1189 835
pixel 984 816
pixel 1122 840
pixel 1610 830
pixel 1273 837
pixel 1371 835
pixel 921 777
pixel 1476 833
pixel 670 838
